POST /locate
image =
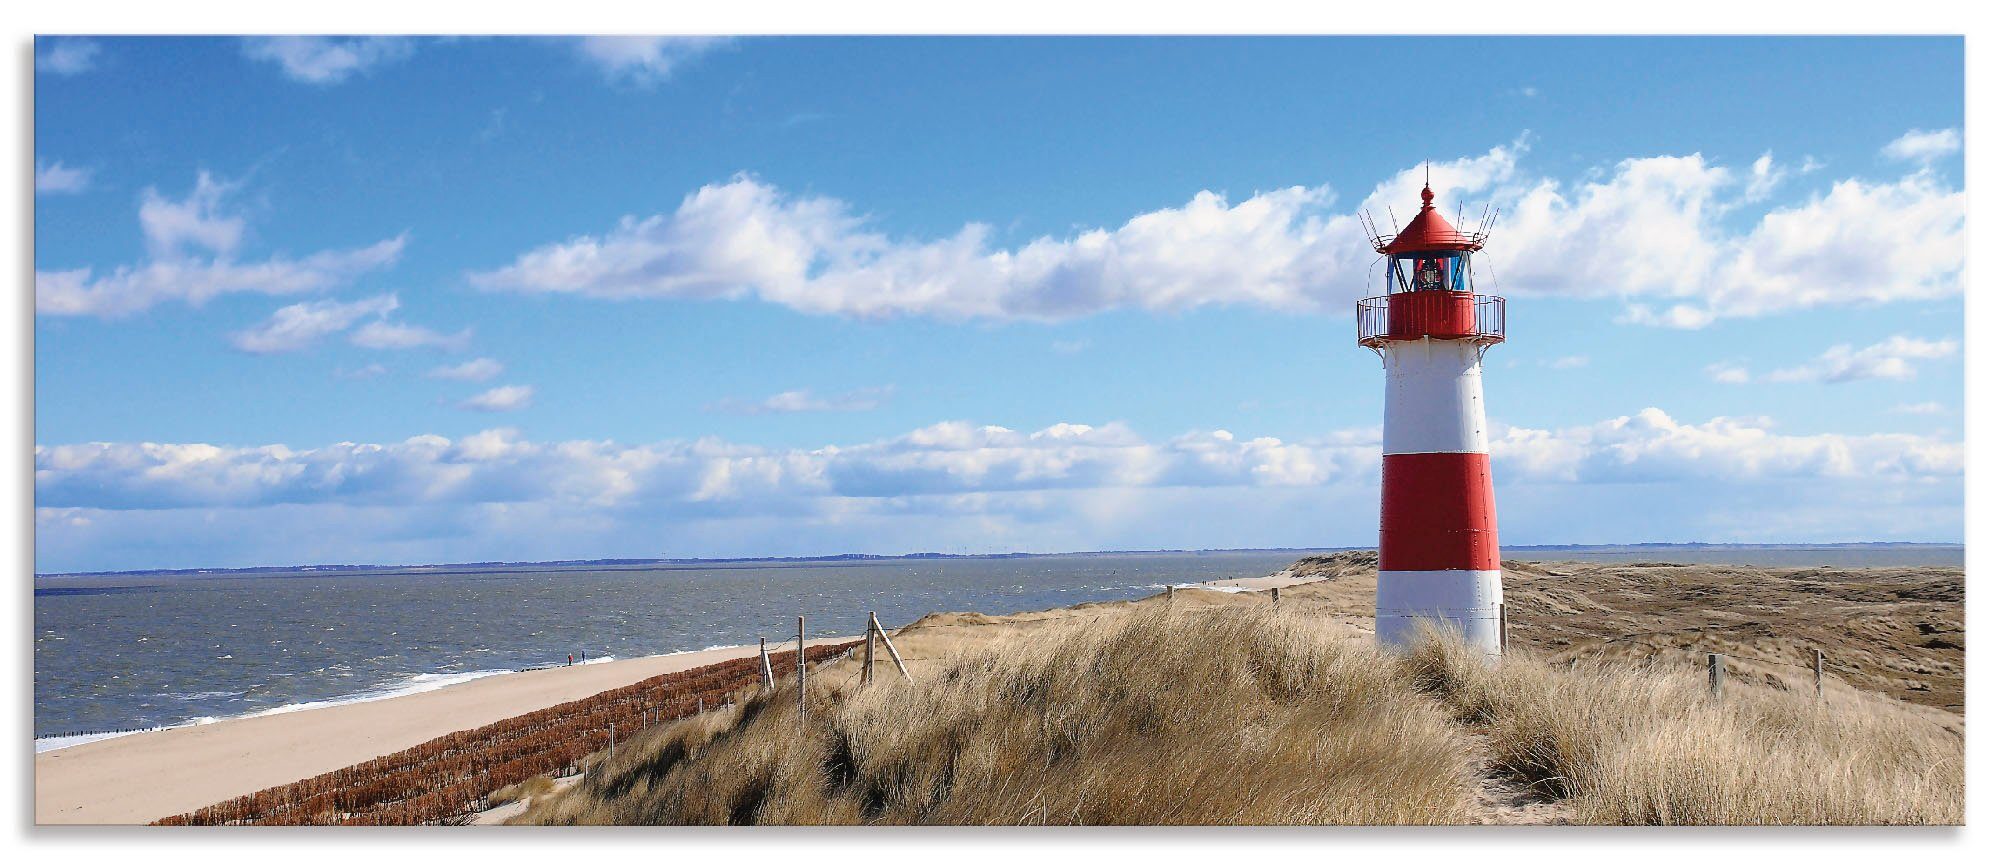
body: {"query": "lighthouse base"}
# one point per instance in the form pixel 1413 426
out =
pixel 1466 602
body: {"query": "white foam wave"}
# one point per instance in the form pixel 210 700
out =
pixel 422 683
pixel 43 745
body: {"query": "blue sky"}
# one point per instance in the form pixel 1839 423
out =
pixel 415 300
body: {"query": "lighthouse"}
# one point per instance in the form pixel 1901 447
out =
pixel 1440 550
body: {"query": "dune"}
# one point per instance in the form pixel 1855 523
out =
pixel 1887 633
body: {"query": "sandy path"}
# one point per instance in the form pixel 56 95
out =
pixel 143 777
pixel 1503 797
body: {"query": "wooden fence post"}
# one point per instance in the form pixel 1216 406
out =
pixel 868 652
pixel 764 660
pixel 1274 597
pixel 1170 596
pixel 1715 676
pixel 1819 671
pixel 891 645
pixel 1503 627
pixel 802 666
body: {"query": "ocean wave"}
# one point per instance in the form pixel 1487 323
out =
pixel 196 697
pixel 43 745
pixel 420 683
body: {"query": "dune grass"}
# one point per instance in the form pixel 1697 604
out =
pixel 1151 718
pixel 530 788
pixel 1634 745
pixel 1251 717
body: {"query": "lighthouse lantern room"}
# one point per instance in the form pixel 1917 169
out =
pixel 1440 550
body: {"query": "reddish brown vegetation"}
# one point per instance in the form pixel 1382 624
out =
pixel 445 779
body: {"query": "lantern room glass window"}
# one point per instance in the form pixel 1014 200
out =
pixel 1430 270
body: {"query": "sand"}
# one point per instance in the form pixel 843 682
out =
pixel 139 778
pixel 1262 583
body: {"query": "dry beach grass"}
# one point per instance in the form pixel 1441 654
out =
pixel 1149 717
pixel 1626 745
pixel 1220 714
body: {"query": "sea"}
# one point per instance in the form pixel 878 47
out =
pixel 124 652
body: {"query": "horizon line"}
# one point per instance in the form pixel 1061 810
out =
pixel 862 556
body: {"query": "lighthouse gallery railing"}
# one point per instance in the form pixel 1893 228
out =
pixel 1487 323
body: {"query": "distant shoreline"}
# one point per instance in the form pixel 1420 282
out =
pixel 699 563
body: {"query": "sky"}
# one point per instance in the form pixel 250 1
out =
pixel 315 300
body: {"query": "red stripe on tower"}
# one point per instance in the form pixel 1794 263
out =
pixel 1437 513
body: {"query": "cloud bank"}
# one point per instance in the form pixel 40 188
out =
pixel 950 458
pixel 1653 233
pixel 495 495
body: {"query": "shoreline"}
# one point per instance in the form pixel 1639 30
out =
pixel 142 776
pixel 426 682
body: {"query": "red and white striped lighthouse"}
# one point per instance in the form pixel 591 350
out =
pixel 1440 550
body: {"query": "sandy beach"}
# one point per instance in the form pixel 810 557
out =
pixel 140 778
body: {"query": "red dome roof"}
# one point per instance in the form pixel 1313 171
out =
pixel 1430 232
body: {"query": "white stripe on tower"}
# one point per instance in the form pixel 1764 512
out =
pixel 1435 402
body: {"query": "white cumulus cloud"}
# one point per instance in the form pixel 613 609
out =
pixel 644 60
pixel 1889 359
pixel 295 327
pixel 66 56
pixel 196 222
pixel 326 59
pixel 383 334
pixel 192 246
pixel 1653 447
pixel 55 178
pixel 1923 146
pixel 506 398
pixel 1727 372
pixel 476 370
pixel 804 400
